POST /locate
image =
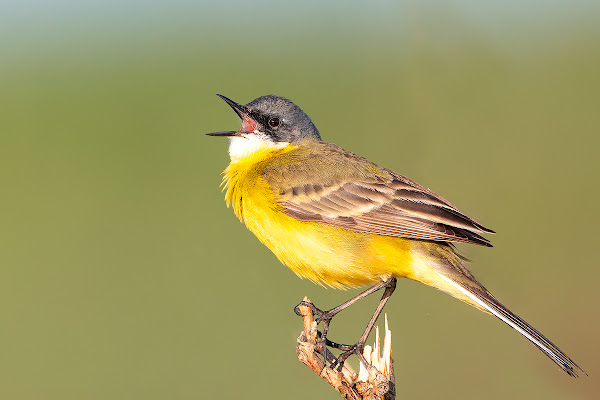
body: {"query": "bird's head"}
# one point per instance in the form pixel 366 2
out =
pixel 268 121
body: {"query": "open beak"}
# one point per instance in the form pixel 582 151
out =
pixel 248 123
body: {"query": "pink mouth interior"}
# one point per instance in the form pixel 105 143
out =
pixel 248 124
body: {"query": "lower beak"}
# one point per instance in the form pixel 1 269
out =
pixel 228 133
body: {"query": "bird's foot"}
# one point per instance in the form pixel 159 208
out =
pixel 310 305
pixel 324 343
pixel 323 316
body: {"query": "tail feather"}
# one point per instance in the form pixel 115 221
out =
pixel 484 299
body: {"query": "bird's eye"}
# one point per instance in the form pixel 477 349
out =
pixel 274 122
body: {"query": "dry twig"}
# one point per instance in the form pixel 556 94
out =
pixel 375 382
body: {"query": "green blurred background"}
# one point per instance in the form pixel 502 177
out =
pixel 123 274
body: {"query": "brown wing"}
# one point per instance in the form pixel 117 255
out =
pixel 347 191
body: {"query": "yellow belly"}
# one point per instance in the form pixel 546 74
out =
pixel 326 254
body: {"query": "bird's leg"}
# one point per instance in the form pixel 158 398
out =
pixel 360 344
pixel 327 316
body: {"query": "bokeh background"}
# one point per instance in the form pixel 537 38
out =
pixel 123 274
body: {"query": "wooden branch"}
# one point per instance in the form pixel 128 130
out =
pixel 374 382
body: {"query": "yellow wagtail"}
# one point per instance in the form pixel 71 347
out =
pixel 336 218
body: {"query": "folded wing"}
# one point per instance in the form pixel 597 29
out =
pixel 368 198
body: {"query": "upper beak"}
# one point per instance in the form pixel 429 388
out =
pixel 248 123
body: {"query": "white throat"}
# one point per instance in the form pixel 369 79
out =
pixel 245 146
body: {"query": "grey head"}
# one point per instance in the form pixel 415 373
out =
pixel 275 117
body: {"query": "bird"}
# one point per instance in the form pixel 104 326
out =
pixel 340 220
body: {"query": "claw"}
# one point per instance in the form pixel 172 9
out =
pixel 314 309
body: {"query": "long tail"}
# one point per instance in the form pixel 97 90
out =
pixel 459 282
pixel 533 335
pixel 490 304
